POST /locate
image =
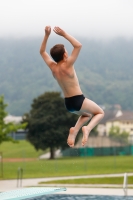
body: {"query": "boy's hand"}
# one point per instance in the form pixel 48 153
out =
pixel 59 31
pixel 47 30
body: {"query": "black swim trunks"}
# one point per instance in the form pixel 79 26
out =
pixel 74 103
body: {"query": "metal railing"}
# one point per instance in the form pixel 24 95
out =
pixel 19 177
pixel 125 182
pixel 1 164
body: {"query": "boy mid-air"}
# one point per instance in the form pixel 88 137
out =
pixel 62 68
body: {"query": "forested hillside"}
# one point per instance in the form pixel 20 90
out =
pixel 105 71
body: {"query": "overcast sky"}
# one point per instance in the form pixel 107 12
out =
pixel 89 18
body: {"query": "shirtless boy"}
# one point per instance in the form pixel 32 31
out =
pixel 62 68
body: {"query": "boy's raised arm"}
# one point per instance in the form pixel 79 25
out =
pixel 43 52
pixel 75 43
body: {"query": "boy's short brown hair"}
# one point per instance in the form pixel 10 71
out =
pixel 57 52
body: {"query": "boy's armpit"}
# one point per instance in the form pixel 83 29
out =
pixel 47 59
pixel 72 58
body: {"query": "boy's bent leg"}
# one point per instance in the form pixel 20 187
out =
pixel 91 107
pixel 87 129
pixel 74 130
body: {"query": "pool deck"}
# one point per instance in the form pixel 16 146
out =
pixel 85 189
pixel 97 191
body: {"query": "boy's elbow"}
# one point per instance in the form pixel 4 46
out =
pixel 41 52
pixel 80 45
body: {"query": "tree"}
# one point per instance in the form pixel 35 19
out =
pixel 7 128
pixel 116 134
pixel 49 122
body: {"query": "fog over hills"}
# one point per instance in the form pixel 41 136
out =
pixel 105 71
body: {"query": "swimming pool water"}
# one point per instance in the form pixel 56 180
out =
pixel 81 197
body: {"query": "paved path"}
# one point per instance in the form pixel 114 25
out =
pixel 6 185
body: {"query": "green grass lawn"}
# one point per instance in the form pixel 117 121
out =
pixel 69 166
pixel 106 180
pixel 22 149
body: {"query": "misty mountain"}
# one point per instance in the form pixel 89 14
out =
pixel 105 71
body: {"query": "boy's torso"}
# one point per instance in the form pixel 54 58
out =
pixel 67 79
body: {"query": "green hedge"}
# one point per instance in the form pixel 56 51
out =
pixel 98 151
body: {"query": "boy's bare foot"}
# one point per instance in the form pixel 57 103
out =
pixel 71 137
pixel 85 135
